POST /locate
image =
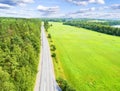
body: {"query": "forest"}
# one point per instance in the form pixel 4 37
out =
pixel 19 53
pixel 103 27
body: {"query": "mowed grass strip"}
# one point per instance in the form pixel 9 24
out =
pixel 90 60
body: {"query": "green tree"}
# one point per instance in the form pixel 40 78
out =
pixel 5 84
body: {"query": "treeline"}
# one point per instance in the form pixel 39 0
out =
pixel 54 19
pixel 46 25
pixel 98 21
pixel 95 27
pixel 107 22
pixel 112 22
pixel 19 53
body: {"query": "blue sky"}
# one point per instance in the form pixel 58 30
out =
pixel 60 8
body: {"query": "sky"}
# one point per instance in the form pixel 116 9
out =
pixel 102 9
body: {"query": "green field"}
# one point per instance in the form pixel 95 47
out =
pixel 88 60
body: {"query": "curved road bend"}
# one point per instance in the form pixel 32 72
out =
pixel 45 80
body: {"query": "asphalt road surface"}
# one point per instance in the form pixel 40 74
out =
pixel 45 80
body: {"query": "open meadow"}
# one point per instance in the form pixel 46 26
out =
pixel 88 60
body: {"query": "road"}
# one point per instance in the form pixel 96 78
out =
pixel 45 80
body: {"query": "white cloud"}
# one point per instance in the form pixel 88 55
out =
pixel 27 1
pixel 48 10
pixel 92 9
pixel 26 13
pixel 23 3
pixel 108 12
pixel 16 2
pixel 103 8
pixel 100 1
pixel 83 11
pixel 5 6
pixel 91 1
pixel 115 6
pixel 85 2
pixel 97 15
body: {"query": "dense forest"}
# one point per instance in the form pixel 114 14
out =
pixel 54 19
pixel 19 53
pixel 112 22
pixel 96 26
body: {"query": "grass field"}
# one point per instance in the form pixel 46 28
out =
pixel 88 60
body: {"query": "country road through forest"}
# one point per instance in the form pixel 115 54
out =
pixel 45 80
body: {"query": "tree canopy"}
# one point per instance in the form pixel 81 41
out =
pixel 98 27
pixel 19 53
